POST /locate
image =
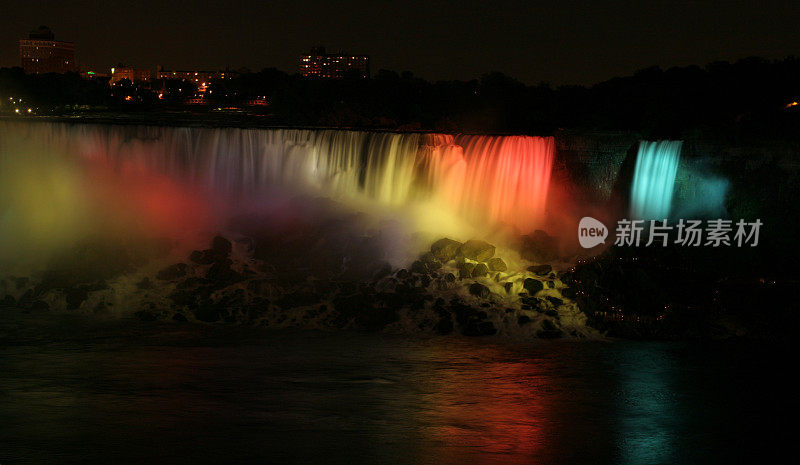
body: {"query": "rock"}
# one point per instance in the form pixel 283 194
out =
pixel 202 257
pixel 549 331
pixel 172 272
pixel 479 290
pixel 508 287
pixel 222 275
pixel 419 267
pixel 75 297
pixel 497 264
pixel 261 287
pixel 221 247
pixel 554 300
pixel 449 278
pixel 430 260
pixel 402 273
pixel 480 270
pixel 8 301
pixel 179 317
pixel 540 269
pixel 522 320
pixel 477 250
pixel 445 249
pixel 465 270
pixel 532 285
pixel 220 250
pixel 548 325
pixel 145 283
pixel 191 283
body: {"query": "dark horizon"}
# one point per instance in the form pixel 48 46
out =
pixel 561 43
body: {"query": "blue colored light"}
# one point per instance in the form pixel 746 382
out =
pixel 654 179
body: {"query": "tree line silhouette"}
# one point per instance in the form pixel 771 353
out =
pixel 749 96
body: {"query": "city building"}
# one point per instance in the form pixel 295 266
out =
pixel 333 65
pixel 200 78
pixel 40 53
pixel 120 73
pixel 94 75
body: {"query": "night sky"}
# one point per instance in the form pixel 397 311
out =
pixel 562 42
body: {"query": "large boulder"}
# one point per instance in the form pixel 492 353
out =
pixel 221 274
pixel 532 285
pixel 480 270
pixel 419 267
pixel 540 269
pixel 479 290
pixel 445 249
pixel 220 250
pixel 430 261
pixel 477 250
pixel 220 246
pixel 497 264
pixel 465 270
pixel 202 257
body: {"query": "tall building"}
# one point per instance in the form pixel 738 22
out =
pixel 333 65
pixel 41 53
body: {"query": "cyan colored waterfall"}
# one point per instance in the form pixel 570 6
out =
pixel 654 179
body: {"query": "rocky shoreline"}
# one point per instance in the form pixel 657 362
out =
pixel 454 287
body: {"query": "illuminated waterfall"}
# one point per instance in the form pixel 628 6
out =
pixel 166 179
pixel 654 179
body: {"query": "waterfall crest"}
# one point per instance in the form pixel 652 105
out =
pixel 483 179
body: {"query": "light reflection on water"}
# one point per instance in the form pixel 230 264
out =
pixel 128 392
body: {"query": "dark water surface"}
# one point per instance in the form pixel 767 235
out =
pixel 79 390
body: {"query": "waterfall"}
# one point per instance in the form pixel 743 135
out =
pixel 168 177
pixel 654 179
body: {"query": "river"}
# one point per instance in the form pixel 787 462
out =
pixel 78 389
